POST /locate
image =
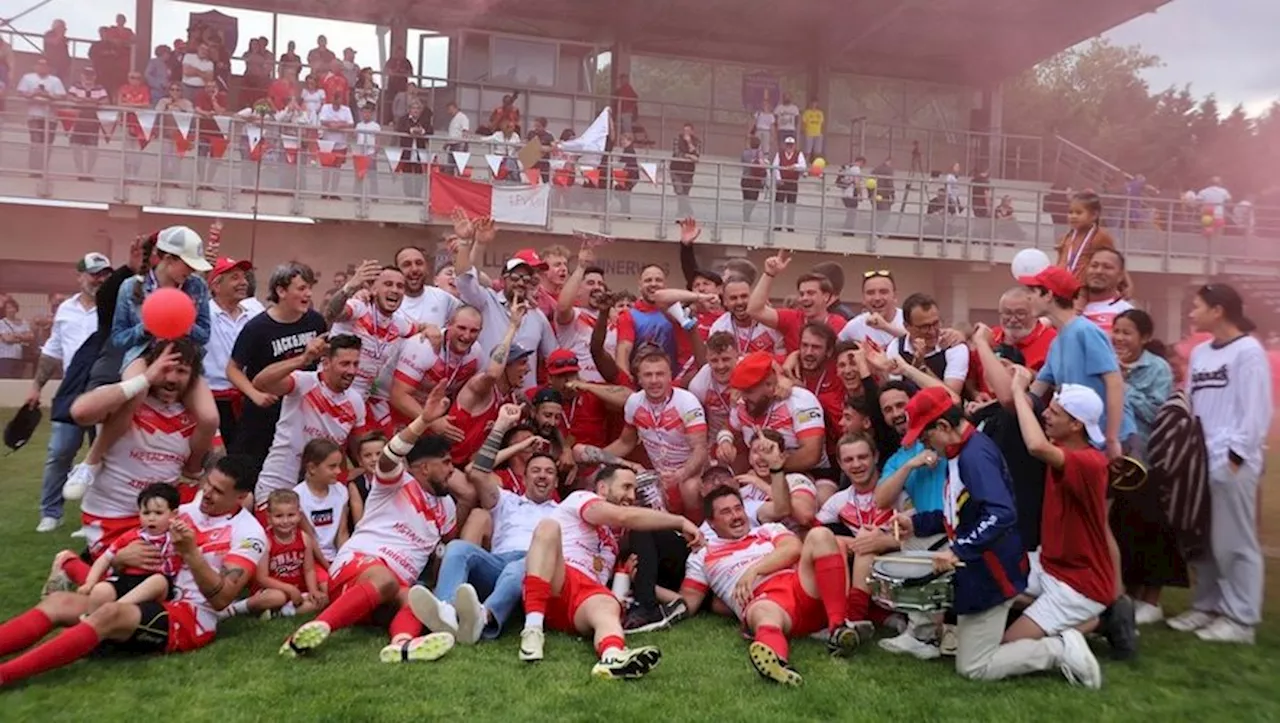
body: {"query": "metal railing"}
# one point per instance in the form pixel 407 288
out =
pixel 219 171
pixel 924 150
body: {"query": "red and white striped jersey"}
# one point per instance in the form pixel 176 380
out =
pixel 587 548
pixel 664 427
pixel 756 337
pixel 576 335
pixel 798 417
pixel 380 338
pixel 718 566
pixel 309 410
pixel 235 540
pixel 422 367
pixel 154 449
pixel 402 526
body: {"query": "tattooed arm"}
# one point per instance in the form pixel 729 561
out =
pixel 219 587
pixel 46 368
pixel 589 454
pixel 336 309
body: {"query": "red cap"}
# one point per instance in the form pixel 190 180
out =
pixel 525 257
pixel 225 264
pixel 562 361
pixel 925 408
pixel 1057 280
pixel 751 370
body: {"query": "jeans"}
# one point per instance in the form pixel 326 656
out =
pixel 498 579
pixel 812 146
pixel 64 442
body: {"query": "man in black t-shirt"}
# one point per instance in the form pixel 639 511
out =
pixel 282 332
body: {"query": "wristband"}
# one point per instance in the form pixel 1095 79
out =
pixel 398 446
pixel 724 436
pixel 134 386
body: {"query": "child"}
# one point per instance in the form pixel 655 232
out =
pixel 322 498
pixel 157 507
pixel 286 583
pixel 1086 235
pixel 365 451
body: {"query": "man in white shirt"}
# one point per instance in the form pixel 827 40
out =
pixel 229 311
pixel 75 320
pixel 506 143
pixel 881 320
pixel 787 113
pixel 1216 198
pixel 335 120
pixel 40 88
pixel 1103 277
pixel 366 147
pixel 467 569
pixel 459 133
pixel 423 304
pixel 922 346
pixel 197 72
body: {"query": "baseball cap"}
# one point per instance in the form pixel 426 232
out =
pixel 184 243
pixel 1057 280
pixel 525 257
pixel 753 369
pixel 789 139
pixel 562 361
pixel 547 394
pixel 1085 406
pixel 19 429
pixel 709 275
pixel 225 264
pixel 925 408
pixel 93 263
pixel 517 353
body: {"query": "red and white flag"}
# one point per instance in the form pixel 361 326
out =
pixel 108 120
pixel 362 163
pixel 253 134
pixel 68 117
pixel 330 156
pixel 516 204
pixel 142 125
pixel 290 144
pixel 218 142
pixel 182 131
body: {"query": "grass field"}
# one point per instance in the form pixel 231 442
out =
pixel 704 674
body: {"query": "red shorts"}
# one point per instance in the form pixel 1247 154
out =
pixel 784 590
pixel 349 574
pixel 102 531
pixel 578 587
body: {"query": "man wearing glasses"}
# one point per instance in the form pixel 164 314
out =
pixel 924 346
pixel 1019 328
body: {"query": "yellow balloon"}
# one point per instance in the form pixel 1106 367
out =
pixel 871 184
pixel 1207 219
pixel 820 163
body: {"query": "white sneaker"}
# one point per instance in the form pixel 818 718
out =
pixel 439 617
pixel 949 642
pixel 81 534
pixel 1190 620
pixel 1078 663
pixel 531 644
pixel 1226 630
pixel 79 481
pixel 48 524
pixel 1145 613
pixel 907 644
pixel 471 615
pixel 425 648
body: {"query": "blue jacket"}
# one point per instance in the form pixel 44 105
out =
pixel 127 332
pixel 985 533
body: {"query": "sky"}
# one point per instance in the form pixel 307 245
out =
pixel 1218 46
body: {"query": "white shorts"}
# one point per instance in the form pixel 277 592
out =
pixel 1058 606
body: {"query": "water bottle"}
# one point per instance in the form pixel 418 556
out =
pixel 649 492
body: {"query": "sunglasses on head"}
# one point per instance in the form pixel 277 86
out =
pixel 883 273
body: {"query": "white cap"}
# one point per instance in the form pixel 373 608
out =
pixel 186 245
pixel 1085 406
pixel 93 263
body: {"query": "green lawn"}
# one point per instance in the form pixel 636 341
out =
pixel 704 675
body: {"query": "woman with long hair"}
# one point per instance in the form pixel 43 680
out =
pixel 15 335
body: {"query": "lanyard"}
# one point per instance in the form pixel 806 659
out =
pixel 751 336
pixel 1073 258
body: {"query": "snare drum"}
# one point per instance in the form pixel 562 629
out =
pixel 905 581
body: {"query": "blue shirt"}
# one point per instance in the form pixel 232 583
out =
pixel 1081 354
pixel 127 332
pixel 923 485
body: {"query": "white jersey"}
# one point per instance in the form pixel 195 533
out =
pixel 325 514
pixel 402 526
pixel 1104 313
pixel 797 418
pixel 716 399
pixel 664 427
pixel 855 509
pixel 380 338
pixel 719 566
pixel 235 540
pixel 153 449
pixel 309 410
pixel 755 337
pixel 858 330
pixel 433 306
pixel 587 548
pixel 576 336
pixel 422 367
pixel 514 519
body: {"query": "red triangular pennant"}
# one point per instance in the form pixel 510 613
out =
pixel 361 164
pixel 68 117
pixel 218 146
pixel 253 134
pixel 592 175
pixel 108 120
pixel 182 131
pixel 290 148
pixel 142 125
pixel 533 176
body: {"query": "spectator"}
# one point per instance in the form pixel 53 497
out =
pixel 686 150
pixel 414 127
pixel 157 73
pixel 133 94
pixel 320 57
pixel 312 95
pixel 885 192
pixel 459 131
pixel 89 96
pixel 813 120
pixel 290 62
pixel 335 120
pixel 787 114
pixel 110 58
pixel 504 142
pixel 295 117
pixel 283 89
pixel 169 159
pixel 952 188
pixel 762 126
pixel 980 194
pixel 400 103
pixel 212 102
pixel 1214 199
pixel 174 61
pixel 257 72
pixel 365 90
pixel 1057 202
pixel 57 50
pixel 15 335
pixel 350 70
pixel 850 183
pixel 334 83
pixel 546 140
pixel 396 75
pixel 197 72
pixel 754 170
pixel 506 111
pixel 40 88
pixel 628 173
pixel 788 165
pixel 1004 212
pixel 628 104
pixel 1244 217
pixel 221 58
pixel 366 145
pixel 121 33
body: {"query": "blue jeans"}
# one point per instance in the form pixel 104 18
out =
pixel 498 579
pixel 64 442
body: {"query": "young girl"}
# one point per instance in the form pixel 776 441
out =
pixel 286 582
pixel 365 451
pixel 322 498
pixel 157 507
pixel 1086 235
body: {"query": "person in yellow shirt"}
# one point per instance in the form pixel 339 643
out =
pixel 813 119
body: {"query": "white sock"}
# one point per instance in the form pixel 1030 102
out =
pixel 534 621
pixel 288 610
pixel 611 653
pixel 239 607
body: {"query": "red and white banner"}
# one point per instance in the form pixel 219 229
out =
pixel 182 133
pixel 524 205
pixel 253 134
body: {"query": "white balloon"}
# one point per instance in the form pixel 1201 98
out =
pixel 1029 262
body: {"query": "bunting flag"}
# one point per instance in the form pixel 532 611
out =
pixel 218 143
pixel 516 204
pixel 68 117
pixel 253 134
pixel 650 170
pixel 621 178
pixel 495 165
pixel 142 124
pixel 361 164
pixel 461 159
pixel 182 131
pixel 533 176
pixel 108 120
pixel 329 155
pixel 592 175
pixel 393 158
pixel 290 144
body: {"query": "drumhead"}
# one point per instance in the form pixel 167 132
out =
pixel 899 570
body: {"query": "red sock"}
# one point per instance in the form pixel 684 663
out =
pixel 858 605
pixel 609 642
pixel 76 569
pixel 772 636
pixel 537 594
pixel 877 614
pixel 832 573
pixel 74 643
pixel 404 623
pixel 24 631
pixel 352 606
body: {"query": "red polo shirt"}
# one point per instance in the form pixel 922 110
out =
pixel 1034 348
pixel 791 321
pixel 829 389
pixel 1074 525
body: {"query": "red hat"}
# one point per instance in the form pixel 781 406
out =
pixel 751 370
pixel 1057 280
pixel 225 264
pixel 924 409
pixel 525 257
pixel 562 361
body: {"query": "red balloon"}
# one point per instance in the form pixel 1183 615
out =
pixel 168 314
